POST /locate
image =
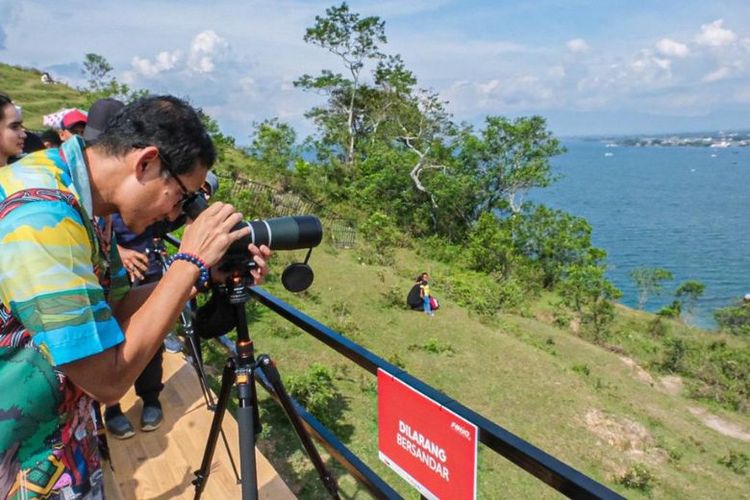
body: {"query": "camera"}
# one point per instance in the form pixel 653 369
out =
pixel 279 233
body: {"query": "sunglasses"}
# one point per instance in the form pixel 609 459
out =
pixel 186 195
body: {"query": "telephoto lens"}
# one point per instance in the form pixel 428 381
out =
pixel 279 233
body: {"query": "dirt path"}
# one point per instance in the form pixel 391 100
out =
pixel 720 425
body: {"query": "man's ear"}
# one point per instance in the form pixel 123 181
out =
pixel 144 163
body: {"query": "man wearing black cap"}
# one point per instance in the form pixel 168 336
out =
pixel 142 267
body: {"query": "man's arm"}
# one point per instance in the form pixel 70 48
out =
pixel 146 314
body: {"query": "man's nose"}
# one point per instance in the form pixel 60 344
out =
pixel 175 213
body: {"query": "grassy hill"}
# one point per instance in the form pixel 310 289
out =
pixel 595 409
pixel 36 98
pixel 607 410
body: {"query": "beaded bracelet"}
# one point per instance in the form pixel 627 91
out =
pixel 205 275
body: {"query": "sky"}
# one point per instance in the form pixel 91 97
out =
pixel 589 67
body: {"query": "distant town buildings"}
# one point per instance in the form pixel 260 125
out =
pixel 707 140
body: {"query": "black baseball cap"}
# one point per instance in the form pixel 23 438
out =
pixel 99 115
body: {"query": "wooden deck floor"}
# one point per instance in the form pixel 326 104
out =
pixel 160 464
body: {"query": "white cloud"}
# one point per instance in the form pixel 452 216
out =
pixel 648 68
pixel 577 45
pixel 207 47
pixel 714 35
pixel 671 48
pixel 719 74
pixel 164 61
pixel 556 72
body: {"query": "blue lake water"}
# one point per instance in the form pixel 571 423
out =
pixel 685 209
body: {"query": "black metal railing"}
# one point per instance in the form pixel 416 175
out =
pixel 543 466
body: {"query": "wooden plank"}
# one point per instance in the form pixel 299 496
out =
pixel 160 464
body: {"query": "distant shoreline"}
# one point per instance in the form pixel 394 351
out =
pixel 704 140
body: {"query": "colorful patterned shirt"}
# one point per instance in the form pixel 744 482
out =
pixel 59 273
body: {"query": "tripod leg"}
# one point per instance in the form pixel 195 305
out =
pixel 194 352
pixel 272 374
pixel 246 421
pixel 227 380
pixel 193 346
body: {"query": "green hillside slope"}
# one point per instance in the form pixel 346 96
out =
pixel 36 98
pixel 595 409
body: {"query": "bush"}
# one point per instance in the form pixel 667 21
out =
pixel 735 460
pixel 482 294
pixel 316 391
pixel 671 311
pixel 285 331
pixel 638 477
pixel 394 297
pixel 383 236
pixel 657 327
pixel 734 319
pixel 434 346
pixel 673 356
pixel 582 368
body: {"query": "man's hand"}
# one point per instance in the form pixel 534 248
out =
pixel 135 262
pixel 210 235
pixel 260 256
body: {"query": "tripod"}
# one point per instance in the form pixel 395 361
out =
pixel 240 370
pixel 191 336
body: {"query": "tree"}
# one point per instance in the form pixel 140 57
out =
pixel 273 145
pixel 421 121
pixel 221 141
pixel 98 72
pixel 586 290
pixel 354 40
pixel 101 82
pixel 551 239
pixel 649 281
pixel 509 158
pixel 688 293
pixel 489 248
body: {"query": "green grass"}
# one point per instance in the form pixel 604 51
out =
pixel 37 99
pixel 532 378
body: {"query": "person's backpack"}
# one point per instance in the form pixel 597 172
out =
pixel 413 300
pixel 434 304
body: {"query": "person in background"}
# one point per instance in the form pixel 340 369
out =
pixel 50 138
pixel 71 330
pixel 424 293
pixel 12 133
pixel 73 123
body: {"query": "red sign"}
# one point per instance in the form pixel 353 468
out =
pixel 431 447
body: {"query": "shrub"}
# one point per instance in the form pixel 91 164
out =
pixel 671 311
pixel 434 346
pixel 638 477
pixel 734 319
pixel 657 327
pixel 383 235
pixel 582 368
pixel 316 391
pixel 481 294
pixel 285 331
pixel 395 297
pixel 736 461
pixel 674 355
